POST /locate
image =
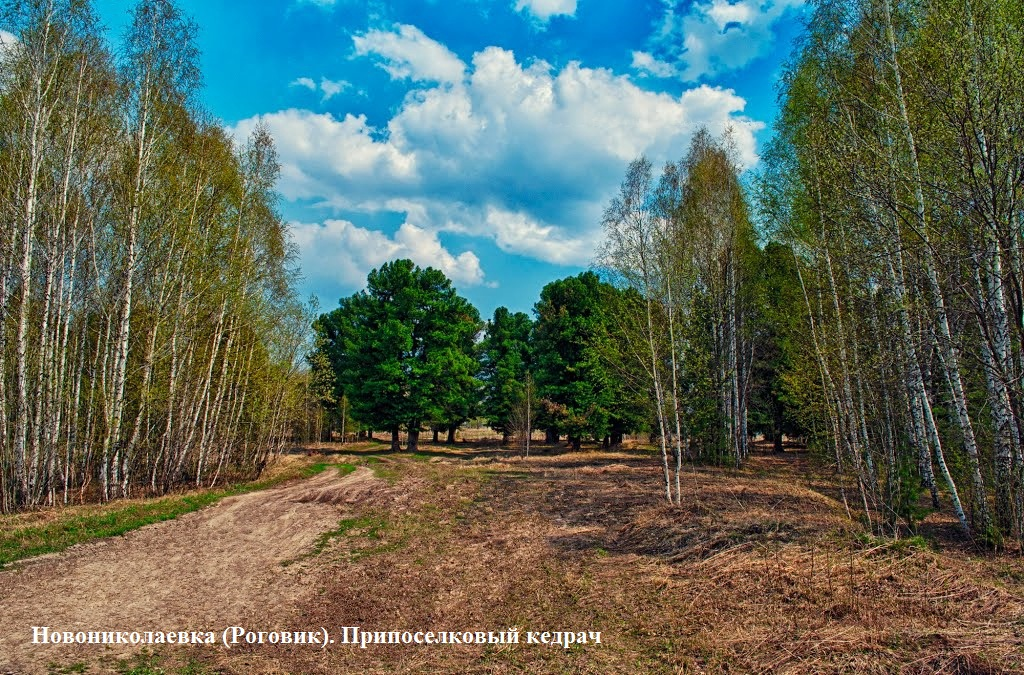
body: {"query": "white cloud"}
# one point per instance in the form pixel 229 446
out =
pixel 545 9
pixel 522 154
pixel 321 154
pixel 337 253
pixel 707 39
pixel 329 88
pixel 408 53
pixel 332 88
pixel 517 232
pixel 646 64
pixel 8 45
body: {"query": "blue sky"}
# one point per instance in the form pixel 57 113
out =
pixel 483 138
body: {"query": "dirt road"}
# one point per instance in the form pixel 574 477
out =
pixel 207 570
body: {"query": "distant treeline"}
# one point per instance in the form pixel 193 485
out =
pixel 677 334
pixel 876 310
pixel 149 329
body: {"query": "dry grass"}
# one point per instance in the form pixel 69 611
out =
pixel 759 570
pixel 756 572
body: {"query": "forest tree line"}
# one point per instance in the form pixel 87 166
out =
pixel 863 288
pixel 673 334
pixel 896 179
pixel 149 330
pixel 877 306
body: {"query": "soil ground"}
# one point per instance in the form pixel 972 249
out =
pixel 759 570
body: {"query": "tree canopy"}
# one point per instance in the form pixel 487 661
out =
pixel 506 359
pixel 403 350
pixel 573 380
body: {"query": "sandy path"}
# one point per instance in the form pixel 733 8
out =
pixel 206 570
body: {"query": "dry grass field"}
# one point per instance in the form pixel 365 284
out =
pixel 760 570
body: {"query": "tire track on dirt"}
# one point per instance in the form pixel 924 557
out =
pixel 207 570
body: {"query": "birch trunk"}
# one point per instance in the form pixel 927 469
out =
pixel 946 348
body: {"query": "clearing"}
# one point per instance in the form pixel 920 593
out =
pixel 760 570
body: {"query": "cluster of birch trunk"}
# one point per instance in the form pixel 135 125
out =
pixel 897 179
pixel 681 247
pixel 148 326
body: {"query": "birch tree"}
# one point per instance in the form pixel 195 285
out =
pixel 149 330
pixel 904 181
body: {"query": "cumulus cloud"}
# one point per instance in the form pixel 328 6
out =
pixel 646 64
pixel 523 154
pixel 545 9
pixel 706 39
pixel 409 54
pixel 339 254
pixel 321 154
pixel 8 44
pixel 517 232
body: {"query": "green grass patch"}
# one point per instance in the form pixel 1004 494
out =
pixel 369 529
pixel 381 469
pixel 143 663
pixel 366 526
pixel 117 519
pixel 902 546
pixel 320 467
